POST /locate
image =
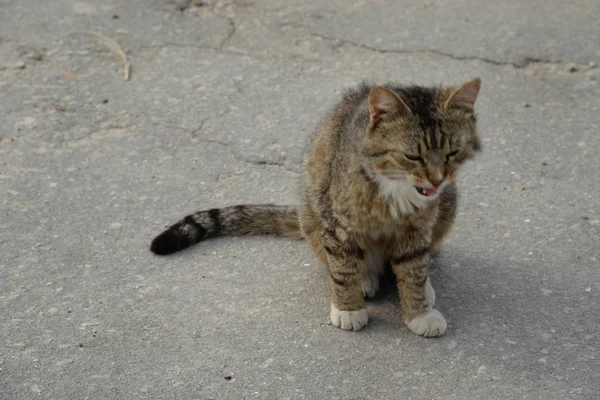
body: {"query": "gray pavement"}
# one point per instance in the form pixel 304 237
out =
pixel 221 99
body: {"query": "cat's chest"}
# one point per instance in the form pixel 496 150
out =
pixel 385 209
pixel 400 197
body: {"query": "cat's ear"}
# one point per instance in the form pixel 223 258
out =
pixel 384 102
pixel 463 96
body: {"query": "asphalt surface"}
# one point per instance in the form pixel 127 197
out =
pixel 219 104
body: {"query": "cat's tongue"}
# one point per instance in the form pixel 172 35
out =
pixel 427 191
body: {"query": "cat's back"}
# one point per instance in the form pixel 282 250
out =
pixel 339 132
pixel 351 114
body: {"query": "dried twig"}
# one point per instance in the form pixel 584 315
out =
pixel 112 45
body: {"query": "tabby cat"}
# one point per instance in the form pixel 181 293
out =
pixel 379 190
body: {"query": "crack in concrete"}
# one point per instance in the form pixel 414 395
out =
pixel 519 64
pixel 227 146
pixel 185 5
pixel 246 160
pixel 522 64
pixel 233 30
pixel 223 47
pixel 198 129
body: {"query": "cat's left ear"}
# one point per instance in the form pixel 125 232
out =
pixel 463 96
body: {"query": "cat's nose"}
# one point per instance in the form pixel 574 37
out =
pixel 436 180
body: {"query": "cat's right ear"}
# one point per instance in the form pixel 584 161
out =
pixel 463 96
pixel 385 103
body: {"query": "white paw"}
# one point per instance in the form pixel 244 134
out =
pixel 430 293
pixel 370 284
pixel 349 320
pixel 429 324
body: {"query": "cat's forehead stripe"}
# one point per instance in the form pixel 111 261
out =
pixel 423 102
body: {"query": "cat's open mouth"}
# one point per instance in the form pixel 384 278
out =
pixel 426 192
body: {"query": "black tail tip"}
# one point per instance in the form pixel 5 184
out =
pixel 167 243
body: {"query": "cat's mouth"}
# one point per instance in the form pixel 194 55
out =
pixel 427 192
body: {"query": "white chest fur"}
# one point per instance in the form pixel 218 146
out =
pixel 402 196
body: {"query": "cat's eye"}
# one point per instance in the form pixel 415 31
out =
pixel 450 155
pixel 414 158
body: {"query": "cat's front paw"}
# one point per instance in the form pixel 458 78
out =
pixel 349 320
pixel 428 324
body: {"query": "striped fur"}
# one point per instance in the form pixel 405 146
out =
pixel 363 167
pixel 229 221
pixel 379 190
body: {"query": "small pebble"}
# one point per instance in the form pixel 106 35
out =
pixel 572 67
pixel 182 4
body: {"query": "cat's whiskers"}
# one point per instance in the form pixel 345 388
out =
pixel 393 174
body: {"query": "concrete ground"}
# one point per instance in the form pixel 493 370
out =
pixel 221 99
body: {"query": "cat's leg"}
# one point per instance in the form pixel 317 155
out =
pixel 373 269
pixel 447 203
pixel 345 262
pixel 416 294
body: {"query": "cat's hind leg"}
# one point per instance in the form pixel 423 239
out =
pixel 373 269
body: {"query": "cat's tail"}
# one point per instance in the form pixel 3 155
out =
pixel 228 221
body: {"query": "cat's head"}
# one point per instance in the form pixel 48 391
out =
pixel 422 135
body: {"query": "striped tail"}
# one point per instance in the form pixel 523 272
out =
pixel 229 221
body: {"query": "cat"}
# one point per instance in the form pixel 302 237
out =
pixel 379 190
